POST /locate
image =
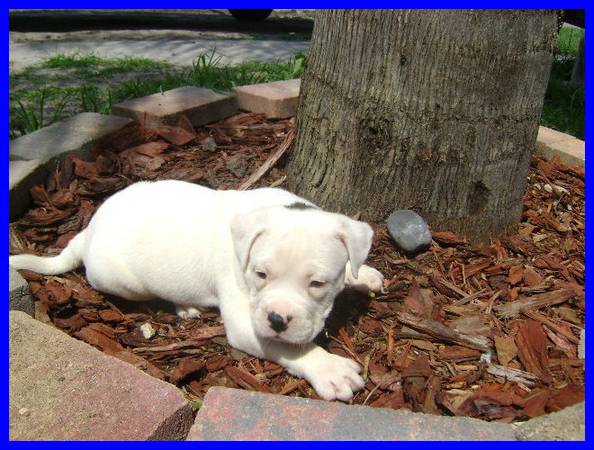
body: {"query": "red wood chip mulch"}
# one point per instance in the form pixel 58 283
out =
pixel 487 331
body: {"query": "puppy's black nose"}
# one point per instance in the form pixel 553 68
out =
pixel 277 323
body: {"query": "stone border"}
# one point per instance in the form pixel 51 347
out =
pixel 20 294
pixel 34 155
pixel 277 100
pixel 199 105
pixel 62 388
pixel 236 414
pixel 570 150
pixel 22 176
pixel 74 135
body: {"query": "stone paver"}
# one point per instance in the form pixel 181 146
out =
pixel 278 99
pixel 552 143
pixel 23 175
pixel 199 105
pixel 20 295
pixel 565 425
pixel 233 414
pixel 77 134
pixel 63 389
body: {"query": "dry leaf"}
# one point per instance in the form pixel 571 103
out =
pixel 531 341
pixel 515 274
pixel 506 349
pixel 95 335
pixel 184 369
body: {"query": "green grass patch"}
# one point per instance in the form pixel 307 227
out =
pixel 565 101
pixel 569 40
pixel 195 404
pixel 89 65
pixel 207 72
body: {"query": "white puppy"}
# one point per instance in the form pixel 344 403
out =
pixel 270 261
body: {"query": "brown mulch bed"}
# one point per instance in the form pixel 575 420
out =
pixel 487 331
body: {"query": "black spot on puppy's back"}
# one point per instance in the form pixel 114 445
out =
pixel 300 205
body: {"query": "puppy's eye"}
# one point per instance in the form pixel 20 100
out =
pixel 317 284
pixel 261 275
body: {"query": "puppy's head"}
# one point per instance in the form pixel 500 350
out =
pixel 293 261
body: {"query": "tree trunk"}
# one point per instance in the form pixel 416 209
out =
pixel 435 111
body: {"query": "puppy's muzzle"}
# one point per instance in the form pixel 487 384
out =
pixel 277 322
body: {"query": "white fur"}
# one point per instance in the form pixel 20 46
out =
pixel 197 247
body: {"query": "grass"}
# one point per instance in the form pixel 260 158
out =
pixel 569 40
pixel 206 71
pixel 64 85
pixel 564 103
pixel 92 65
pixel 195 404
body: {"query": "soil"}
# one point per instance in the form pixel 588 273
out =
pixel 488 331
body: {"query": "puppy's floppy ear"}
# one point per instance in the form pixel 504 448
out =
pixel 245 229
pixel 357 237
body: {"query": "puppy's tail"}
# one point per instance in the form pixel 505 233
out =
pixel 70 258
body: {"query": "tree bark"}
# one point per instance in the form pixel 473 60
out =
pixel 431 110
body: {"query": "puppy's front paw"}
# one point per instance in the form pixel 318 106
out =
pixel 369 280
pixel 334 377
pixel 187 312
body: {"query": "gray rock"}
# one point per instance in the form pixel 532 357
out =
pixel 565 425
pixel 20 295
pixel 582 345
pixel 409 230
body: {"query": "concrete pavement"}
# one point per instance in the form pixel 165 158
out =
pixel 179 51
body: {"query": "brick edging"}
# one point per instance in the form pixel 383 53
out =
pixel 237 414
